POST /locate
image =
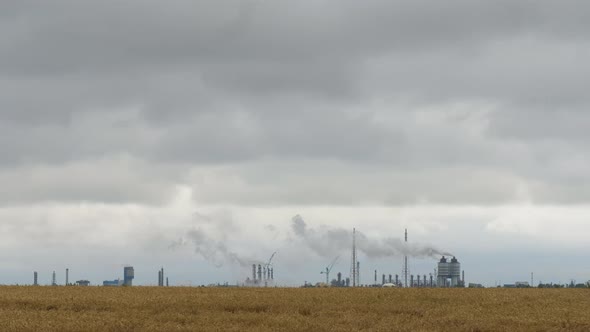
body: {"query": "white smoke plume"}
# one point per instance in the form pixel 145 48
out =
pixel 209 238
pixel 328 242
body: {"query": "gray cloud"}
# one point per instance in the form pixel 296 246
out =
pixel 280 102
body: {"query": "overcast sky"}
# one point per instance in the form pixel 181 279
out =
pixel 128 125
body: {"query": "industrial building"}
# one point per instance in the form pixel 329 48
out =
pixel 82 283
pixel 116 283
pixel 128 275
pixel 261 275
pixel 449 273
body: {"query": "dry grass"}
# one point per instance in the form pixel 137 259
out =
pixel 228 309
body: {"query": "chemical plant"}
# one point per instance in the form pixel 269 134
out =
pixel 262 275
pixel 446 273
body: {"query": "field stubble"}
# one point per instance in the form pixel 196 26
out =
pixel 290 309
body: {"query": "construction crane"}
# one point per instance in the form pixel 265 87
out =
pixel 328 269
pixel 268 265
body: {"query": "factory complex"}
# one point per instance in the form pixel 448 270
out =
pixel 447 273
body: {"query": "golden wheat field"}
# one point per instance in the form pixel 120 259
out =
pixel 282 309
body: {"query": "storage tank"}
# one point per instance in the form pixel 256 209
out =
pixel 455 272
pixel 443 272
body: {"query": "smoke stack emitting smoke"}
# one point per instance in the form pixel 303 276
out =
pixel 324 241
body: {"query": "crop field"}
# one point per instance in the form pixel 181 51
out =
pixel 281 309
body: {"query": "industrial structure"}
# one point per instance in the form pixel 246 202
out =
pixel 329 269
pixel 262 275
pixel 449 273
pixel 128 275
pixel 113 283
pixel 354 264
pixel 406 269
pixel 161 277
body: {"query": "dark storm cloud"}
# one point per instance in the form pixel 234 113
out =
pixel 449 102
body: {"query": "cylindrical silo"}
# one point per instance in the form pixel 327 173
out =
pixel 455 272
pixel 443 272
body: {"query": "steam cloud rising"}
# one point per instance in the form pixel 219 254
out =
pixel 211 235
pixel 214 251
pixel 332 241
pixel 212 245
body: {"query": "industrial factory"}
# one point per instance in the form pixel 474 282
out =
pixel 263 275
pixel 449 273
pixel 128 275
pixel 446 274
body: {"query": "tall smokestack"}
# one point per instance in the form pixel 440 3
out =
pixel 53 282
pixel 167 282
pixel 353 265
pixel 358 273
pixel 35 279
pixel 383 280
pixel 406 261
pixel 375 278
pixel 254 272
pixel 412 280
pixel 67 277
pixel 390 280
pixel 259 272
